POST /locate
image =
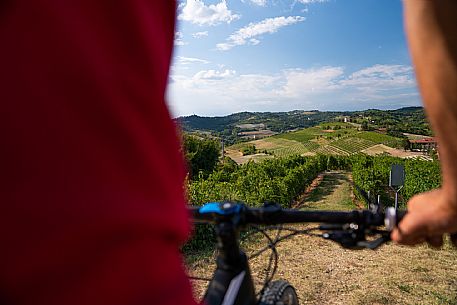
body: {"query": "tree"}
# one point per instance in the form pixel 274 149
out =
pixel 202 155
pixel 249 150
pixel 405 144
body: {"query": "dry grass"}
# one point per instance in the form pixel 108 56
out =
pixel 238 157
pixel 383 149
pixel 324 273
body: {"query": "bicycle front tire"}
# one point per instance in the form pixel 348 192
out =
pixel 279 292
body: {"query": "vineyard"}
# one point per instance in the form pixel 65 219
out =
pixel 326 130
pixel 341 139
pixel 378 138
pixel 372 174
pixel 282 180
pixel 331 150
pixel 352 145
pixel 296 149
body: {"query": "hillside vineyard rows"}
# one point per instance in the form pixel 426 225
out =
pixel 328 138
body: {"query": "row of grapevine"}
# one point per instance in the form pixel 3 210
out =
pixel 331 150
pixel 353 145
pixel 311 146
pixel 372 174
pixel 296 149
pixel 379 138
pixel 282 180
pixel 277 180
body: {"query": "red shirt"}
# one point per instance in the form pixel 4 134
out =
pixel 91 190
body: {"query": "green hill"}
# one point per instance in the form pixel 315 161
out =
pixel 238 127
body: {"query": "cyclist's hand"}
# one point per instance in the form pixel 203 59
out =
pixel 429 216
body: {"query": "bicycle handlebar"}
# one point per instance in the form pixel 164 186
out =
pixel 273 214
pixel 347 228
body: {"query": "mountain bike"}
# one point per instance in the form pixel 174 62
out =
pixel 232 283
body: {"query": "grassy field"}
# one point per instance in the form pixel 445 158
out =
pixel 324 273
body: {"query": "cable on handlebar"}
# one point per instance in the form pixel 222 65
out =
pixel 273 258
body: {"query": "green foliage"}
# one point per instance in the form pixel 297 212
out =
pixel 248 150
pixel 409 120
pixel 283 180
pixel 296 149
pixel 380 138
pixel 372 174
pixel 279 180
pixel 202 155
pixel 352 144
pixel 421 176
pixel 303 135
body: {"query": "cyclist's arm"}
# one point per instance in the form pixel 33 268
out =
pixel 432 36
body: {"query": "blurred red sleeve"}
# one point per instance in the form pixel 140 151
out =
pixel 91 190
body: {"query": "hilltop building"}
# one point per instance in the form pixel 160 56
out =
pixel 425 144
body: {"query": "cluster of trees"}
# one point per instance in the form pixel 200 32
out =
pixel 410 120
pixel 248 150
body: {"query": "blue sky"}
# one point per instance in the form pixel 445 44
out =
pixel 281 55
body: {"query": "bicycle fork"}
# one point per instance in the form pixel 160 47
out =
pixel 232 281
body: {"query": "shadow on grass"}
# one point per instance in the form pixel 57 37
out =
pixel 327 186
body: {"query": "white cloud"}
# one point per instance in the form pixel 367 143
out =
pixel 190 60
pixel 219 92
pixel 379 76
pixel 200 34
pixel 197 12
pixel 214 75
pixel 311 1
pixel 259 2
pixel 267 26
pixel 179 39
pixel 382 71
pixel 299 82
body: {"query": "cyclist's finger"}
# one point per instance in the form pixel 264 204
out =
pixel 412 241
pixel 406 239
pixel 409 231
pixel 435 241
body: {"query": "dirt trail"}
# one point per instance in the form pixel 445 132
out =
pixel 324 273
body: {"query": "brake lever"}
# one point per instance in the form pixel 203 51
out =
pixel 346 239
pixel 374 244
pixel 353 239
